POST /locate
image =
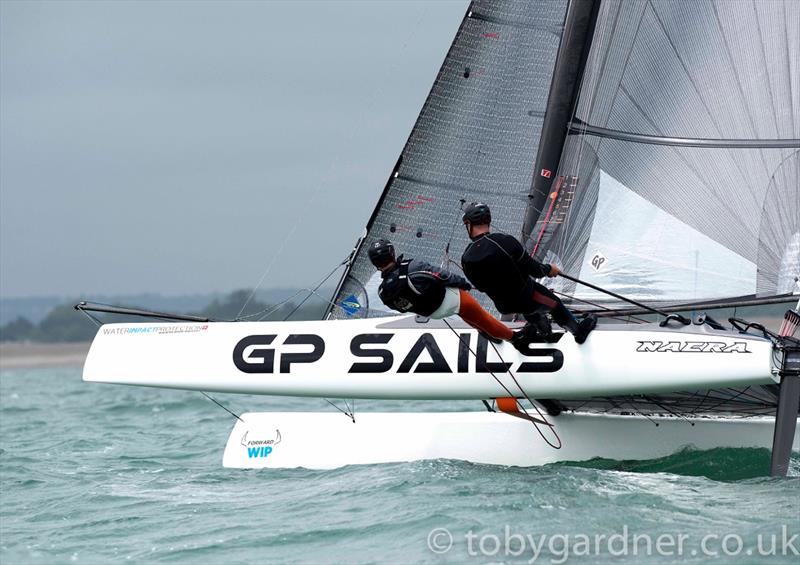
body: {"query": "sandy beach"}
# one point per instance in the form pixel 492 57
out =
pixel 38 355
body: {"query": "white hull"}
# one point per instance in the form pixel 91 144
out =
pixel 330 440
pixel 397 358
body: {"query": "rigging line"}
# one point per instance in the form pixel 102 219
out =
pixel 530 418
pixel 375 96
pixel 674 413
pixel 731 399
pixel 466 344
pixel 348 414
pixel 446 258
pixel 92 318
pixel 701 403
pixel 528 398
pixel 221 406
pixel 684 320
pixel 636 410
pixel 328 300
pixel 272 308
pixel 288 235
pixel 315 289
pixel 604 308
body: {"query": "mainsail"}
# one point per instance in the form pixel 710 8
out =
pixel 677 182
pixel 476 138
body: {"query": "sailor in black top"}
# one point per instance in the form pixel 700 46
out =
pixel 410 285
pixel 497 264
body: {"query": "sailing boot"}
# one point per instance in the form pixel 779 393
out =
pixel 585 327
pixel 523 337
pixel 541 325
pixel 579 330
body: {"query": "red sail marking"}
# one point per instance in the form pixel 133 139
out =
pixel 411 204
pixel 553 198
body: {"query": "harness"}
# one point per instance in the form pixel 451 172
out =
pixel 395 290
pixel 398 293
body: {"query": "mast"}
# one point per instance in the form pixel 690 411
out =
pixel 573 52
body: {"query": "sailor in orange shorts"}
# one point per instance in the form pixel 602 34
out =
pixel 410 285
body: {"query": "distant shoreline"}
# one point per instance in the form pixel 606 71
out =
pixel 41 355
pixel 31 355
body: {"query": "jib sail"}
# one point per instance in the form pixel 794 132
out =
pixel 679 178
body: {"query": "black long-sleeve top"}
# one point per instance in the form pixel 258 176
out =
pixel 498 265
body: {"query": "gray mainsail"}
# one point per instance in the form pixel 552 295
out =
pixel 476 138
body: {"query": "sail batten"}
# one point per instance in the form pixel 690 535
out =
pixel 579 128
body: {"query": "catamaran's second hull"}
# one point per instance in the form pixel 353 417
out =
pixel 330 440
pixel 399 358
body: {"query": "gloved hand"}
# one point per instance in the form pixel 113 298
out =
pixel 466 286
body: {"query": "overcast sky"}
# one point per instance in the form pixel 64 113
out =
pixel 171 146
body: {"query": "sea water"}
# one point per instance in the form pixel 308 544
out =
pixel 93 473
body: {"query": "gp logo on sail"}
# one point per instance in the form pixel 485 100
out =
pixel 259 354
pixel 260 447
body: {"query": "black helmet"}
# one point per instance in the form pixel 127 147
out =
pixel 381 253
pixel 477 213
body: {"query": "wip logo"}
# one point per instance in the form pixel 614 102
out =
pixel 692 347
pixel 260 447
pixel 351 305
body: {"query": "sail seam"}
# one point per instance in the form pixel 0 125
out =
pixel 458 189
pixel 738 78
pixel 555 30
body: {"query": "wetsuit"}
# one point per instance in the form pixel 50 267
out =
pixel 497 264
pixel 416 286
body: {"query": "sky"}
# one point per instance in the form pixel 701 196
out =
pixel 193 146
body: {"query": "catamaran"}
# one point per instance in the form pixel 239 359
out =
pixel 651 149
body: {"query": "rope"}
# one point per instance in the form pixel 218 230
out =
pixel 349 413
pixel 446 258
pixel 530 418
pixel 269 310
pixel 314 290
pixel 611 311
pixel 341 147
pixel 682 319
pixel 92 318
pixel 532 403
pixel 221 406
